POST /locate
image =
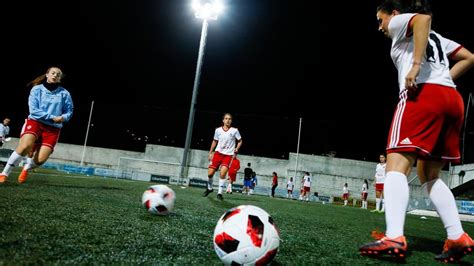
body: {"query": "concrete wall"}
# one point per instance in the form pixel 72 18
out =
pixel 457 180
pixel 329 174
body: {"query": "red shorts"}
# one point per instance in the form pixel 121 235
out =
pixel 379 187
pixel 306 189
pixel 345 196
pixel 45 135
pixel 220 159
pixel 232 176
pixel 290 191
pixel 428 123
pixel 364 195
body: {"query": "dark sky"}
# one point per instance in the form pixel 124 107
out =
pixel 268 62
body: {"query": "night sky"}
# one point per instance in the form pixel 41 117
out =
pixel 268 62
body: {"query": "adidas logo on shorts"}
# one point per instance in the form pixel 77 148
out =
pixel 406 141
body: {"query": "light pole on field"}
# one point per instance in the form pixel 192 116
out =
pixel 205 10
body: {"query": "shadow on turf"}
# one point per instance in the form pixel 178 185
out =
pixel 221 203
pixel 428 245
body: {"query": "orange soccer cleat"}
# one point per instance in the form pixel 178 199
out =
pixel 454 250
pixel 23 176
pixel 3 178
pixel 396 247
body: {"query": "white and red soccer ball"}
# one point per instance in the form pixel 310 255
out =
pixel 246 235
pixel 158 199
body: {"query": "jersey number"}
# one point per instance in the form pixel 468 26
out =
pixel 430 52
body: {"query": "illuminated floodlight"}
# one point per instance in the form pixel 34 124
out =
pixel 207 9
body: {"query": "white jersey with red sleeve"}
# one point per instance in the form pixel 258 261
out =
pixel 226 140
pixel 380 173
pixel 435 64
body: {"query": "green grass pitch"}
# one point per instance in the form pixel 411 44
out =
pixel 59 218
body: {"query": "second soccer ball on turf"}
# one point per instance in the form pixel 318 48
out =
pixel 246 235
pixel 158 199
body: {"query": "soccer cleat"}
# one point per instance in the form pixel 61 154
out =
pixel 3 178
pixel 220 197
pixel 396 247
pixel 454 250
pixel 23 176
pixel 207 192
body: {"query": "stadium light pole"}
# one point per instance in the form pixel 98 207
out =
pixel 298 148
pixel 208 10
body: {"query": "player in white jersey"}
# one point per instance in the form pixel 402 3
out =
pixel 379 179
pixel 364 194
pixel 226 142
pixel 345 193
pixel 4 130
pixel 425 128
pixel 289 188
pixel 306 186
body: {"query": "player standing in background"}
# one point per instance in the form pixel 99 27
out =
pixel 50 105
pixel 364 194
pixel 234 167
pixel 345 193
pixel 306 186
pixel 247 179
pixel 226 142
pixel 4 130
pixel 426 127
pixel 253 182
pixel 379 179
pixel 274 183
pixel 289 188
pixel 301 189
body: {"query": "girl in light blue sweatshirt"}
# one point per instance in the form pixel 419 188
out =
pixel 50 106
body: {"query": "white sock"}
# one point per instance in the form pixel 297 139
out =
pixel 209 183
pixel 12 162
pixel 382 203
pixel 30 164
pixel 396 200
pixel 443 199
pixel 377 204
pixel 221 185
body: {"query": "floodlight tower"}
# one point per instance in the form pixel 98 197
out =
pixel 205 10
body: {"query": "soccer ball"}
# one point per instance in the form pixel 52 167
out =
pixel 158 199
pixel 246 235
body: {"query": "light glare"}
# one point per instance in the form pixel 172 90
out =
pixel 209 10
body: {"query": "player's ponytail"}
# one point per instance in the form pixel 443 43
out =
pixel 38 80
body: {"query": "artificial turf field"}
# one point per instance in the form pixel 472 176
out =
pixel 59 218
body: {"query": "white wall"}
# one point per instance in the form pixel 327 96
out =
pixel 329 174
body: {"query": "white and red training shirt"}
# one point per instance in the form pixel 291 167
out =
pixel 226 140
pixel 380 173
pixel 435 64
